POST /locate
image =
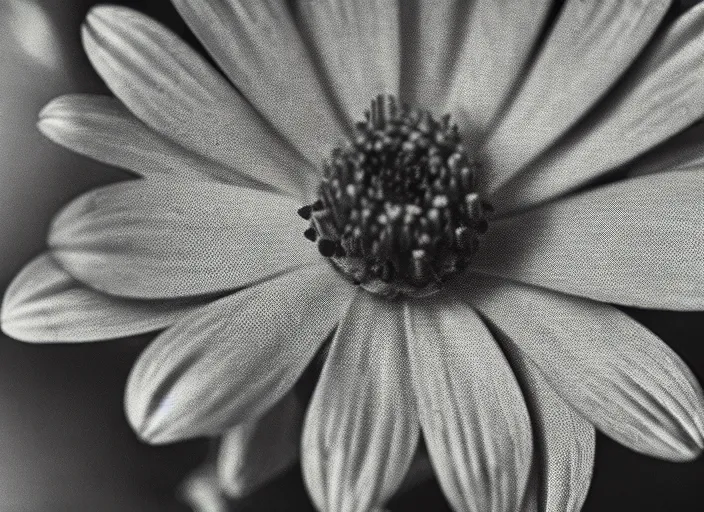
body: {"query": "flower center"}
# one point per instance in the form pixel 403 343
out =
pixel 397 209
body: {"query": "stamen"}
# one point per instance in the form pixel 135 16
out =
pixel 398 210
pixel 311 234
pixel 305 211
pixel 326 247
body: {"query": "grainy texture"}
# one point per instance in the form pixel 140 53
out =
pixel 503 432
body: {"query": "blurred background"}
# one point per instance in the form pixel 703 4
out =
pixel 64 443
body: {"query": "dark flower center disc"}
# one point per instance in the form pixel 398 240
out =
pixel 397 209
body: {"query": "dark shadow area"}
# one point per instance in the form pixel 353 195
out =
pixel 64 440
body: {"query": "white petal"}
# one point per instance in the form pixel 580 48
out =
pixel 173 90
pixel 636 242
pixel 684 151
pixel 45 304
pixel 361 429
pixel 500 37
pixel 357 43
pixel 162 238
pixel 661 96
pixel 565 441
pixel 258 46
pixel 102 128
pixel 448 44
pixel 472 412
pixel 258 450
pixel 590 46
pixel 201 491
pixel 431 34
pixel 612 370
pixel 234 359
pixel 531 498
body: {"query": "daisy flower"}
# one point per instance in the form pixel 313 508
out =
pixel 460 240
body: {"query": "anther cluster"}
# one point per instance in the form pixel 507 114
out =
pixel 397 208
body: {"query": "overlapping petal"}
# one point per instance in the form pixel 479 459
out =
pixel 472 413
pixel 45 304
pixel 258 46
pixel 500 37
pixel 235 358
pixel 165 238
pixel 463 56
pixel 564 441
pixel 432 32
pixel 590 46
pixel 636 242
pixel 662 95
pixel 612 370
pixel 102 128
pixel 254 452
pixel 684 151
pixel 357 43
pixel 361 427
pixel 531 497
pixel 173 90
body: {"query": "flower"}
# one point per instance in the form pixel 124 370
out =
pixel 500 346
